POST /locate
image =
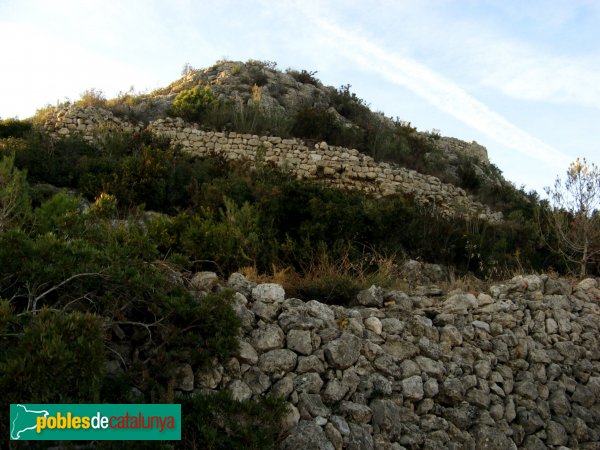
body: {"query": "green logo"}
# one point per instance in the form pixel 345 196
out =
pixel 72 422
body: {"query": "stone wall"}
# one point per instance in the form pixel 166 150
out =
pixel 453 146
pixel 518 366
pixel 336 166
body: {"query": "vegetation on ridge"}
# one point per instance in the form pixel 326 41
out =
pixel 98 242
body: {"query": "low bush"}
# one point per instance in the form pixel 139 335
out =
pixel 194 104
pixel 14 128
pixel 55 357
pixel 91 97
pixel 304 76
pixel 217 421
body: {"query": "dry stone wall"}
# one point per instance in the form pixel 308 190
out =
pixel 516 367
pixel 337 166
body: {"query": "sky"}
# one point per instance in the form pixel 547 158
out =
pixel 520 78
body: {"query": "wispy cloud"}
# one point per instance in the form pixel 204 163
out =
pixel 435 88
pixel 544 51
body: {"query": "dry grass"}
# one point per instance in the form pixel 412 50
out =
pixel 332 281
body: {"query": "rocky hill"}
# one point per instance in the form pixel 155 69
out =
pixel 121 219
pixel 237 109
pixel 516 367
pixel 258 99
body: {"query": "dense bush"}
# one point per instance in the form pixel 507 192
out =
pixel 91 97
pixel 53 357
pixel 216 421
pixel 14 128
pixel 304 76
pixel 194 104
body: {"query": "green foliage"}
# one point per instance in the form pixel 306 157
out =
pixel 216 421
pixel 349 105
pixel 304 76
pixel 14 197
pixel 14 128
pixel 194 104
pixel 316 123
pixel 91 97
pixel 468 178
pixel 575 214
pixel 257 72
pixel 54 357
pixel 59 212
pixel 209 326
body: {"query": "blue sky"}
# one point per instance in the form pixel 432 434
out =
pixel 521 78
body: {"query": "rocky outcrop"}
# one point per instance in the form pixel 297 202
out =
pixel 517 367
pixel 336 166
pixel 88 122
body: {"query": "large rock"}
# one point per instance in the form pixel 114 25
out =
pixel 311 383
pixel 267 338
pixel 268 293
pixel 239 283
pixel 311 405
pixel 341 353
pixel 246 353
pixel 385 417
pixel 307 435
pixel 371 297
pixel 239 390
pixel 184 378
pixel 356 412
pixel 277 361
pixel 334 391
pixel 489 438
pixel 412 388
pixel 300 341
pixel 267 311
pixel 400 348
pixel 373 324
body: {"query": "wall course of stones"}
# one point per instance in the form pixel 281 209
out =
pixel 336 166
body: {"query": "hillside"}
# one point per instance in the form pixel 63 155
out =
pixel 256 98
pixel 294 269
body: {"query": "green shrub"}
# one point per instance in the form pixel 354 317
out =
pixel 468 178
pixel 14 128
pixel 194 104
pixel 207 328
pixel 304 76
pixel 216 421
pixel 257 74
pixel 58 213
pixel 316 123
pixel 14 195
pixel 56 357
pixel 91 97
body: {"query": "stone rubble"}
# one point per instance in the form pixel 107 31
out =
pixel 336 166
pixel 516 368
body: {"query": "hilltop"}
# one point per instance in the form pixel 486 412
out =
pixel 362 306
pixel 257 98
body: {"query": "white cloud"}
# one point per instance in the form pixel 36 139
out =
pixel 41 68
pixel 436 89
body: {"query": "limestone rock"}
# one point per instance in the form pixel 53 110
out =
pixel 204 281
pixel 371 297
pixel 344 351
pixel 268 293
pixel 239 391
pixel 412 388
pixel 267 338
pixel 184 378
pixel 239 283
pixel 277 361
pixel 307 435
pixel 300 341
